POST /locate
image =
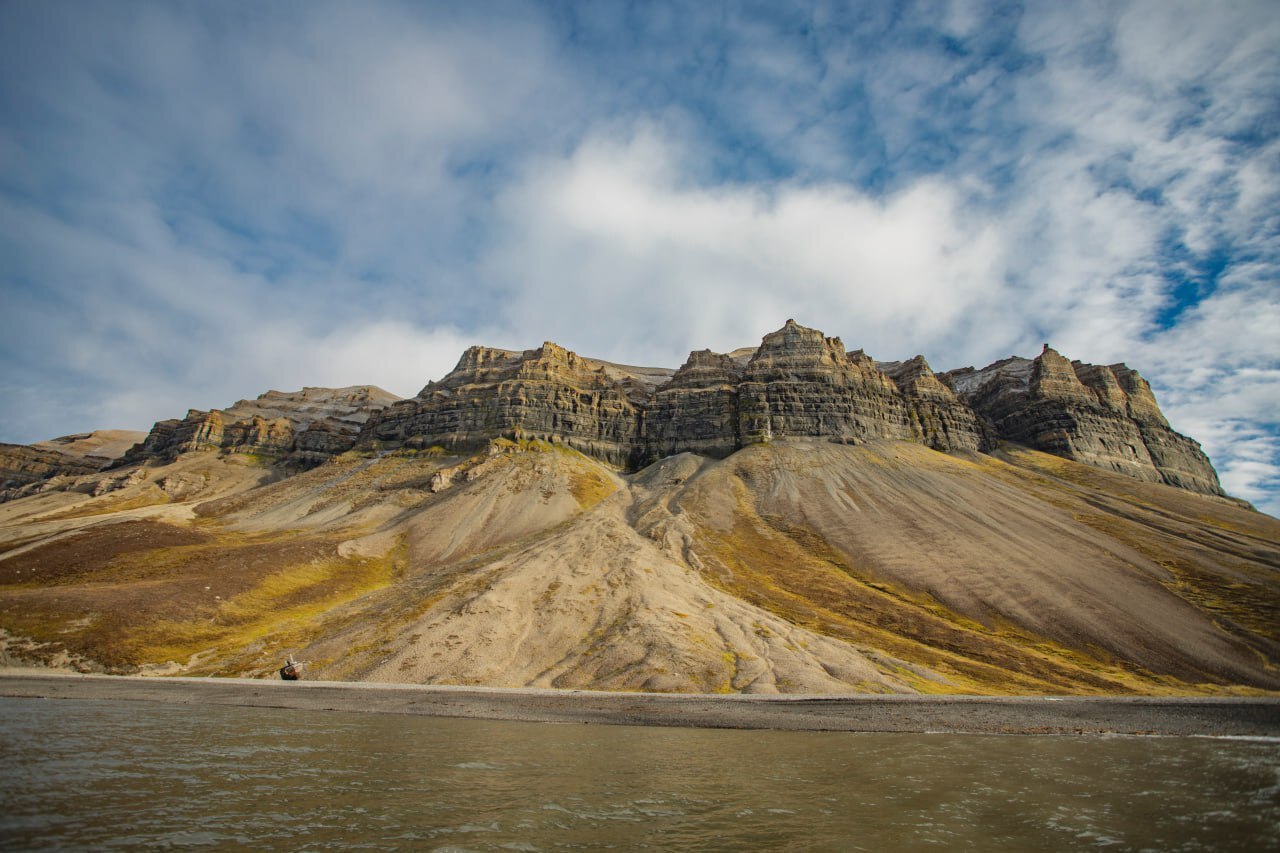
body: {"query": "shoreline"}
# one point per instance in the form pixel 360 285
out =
pixel 1050 715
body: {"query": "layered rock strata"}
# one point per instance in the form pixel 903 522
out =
pixel 797 383
pixel 98 447
pixel 544 393
pixel 800 383
pixel 306 426
pixel 697 410
pixel 24 469
pixel 1102 416
pixel 936 416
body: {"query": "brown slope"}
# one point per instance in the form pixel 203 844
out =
pixel 105 444
pixel 984 567
pixel 963 582
pixel 795 566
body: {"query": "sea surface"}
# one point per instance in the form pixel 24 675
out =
pixel 79 774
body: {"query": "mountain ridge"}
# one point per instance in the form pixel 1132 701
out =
pixel 797 383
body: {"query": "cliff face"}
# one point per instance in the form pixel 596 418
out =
pixel 543 393
pixel 1104 416
pixel 308 426
pixel 21 465
pixel 797 383
pixel 28 469
pixel 697 410
pixel 800 383
pixel 936 416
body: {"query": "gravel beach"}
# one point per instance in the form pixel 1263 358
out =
pixel 1230 716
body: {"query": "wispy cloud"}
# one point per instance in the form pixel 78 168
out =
pixel 198 202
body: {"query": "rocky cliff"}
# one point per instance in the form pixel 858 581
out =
pixel 306 426
pixel 549 393
pixel 21 465
pixel 797 384
pixel 697 410
pixel 27 469
pixel 1104 416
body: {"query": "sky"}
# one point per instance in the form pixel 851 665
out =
pixel 202 201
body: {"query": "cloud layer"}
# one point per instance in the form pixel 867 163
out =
pixel 198 202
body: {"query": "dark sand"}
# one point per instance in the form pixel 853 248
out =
pixel 969 714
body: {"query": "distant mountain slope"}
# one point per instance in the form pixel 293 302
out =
pixel 104 444
pixel 310 425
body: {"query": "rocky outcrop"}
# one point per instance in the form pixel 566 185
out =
pixel 548 393
pixel 800 383
pixel 697 410
pixel 797 383
pixel 937 417
pixel 55 464
pixel 1102 416
pixel 1179 459
pixel 306 426
pixel 25 470
pixel 97 447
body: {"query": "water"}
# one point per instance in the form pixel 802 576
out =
pixel 96 774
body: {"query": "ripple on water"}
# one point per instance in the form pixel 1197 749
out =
pixel 81 774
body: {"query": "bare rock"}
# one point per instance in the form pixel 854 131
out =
pixel 800 383
pixel 21 465
pixel 306 427
pixel 697 410
pixel 938 418
pixel 1103 416
pixel 545 393
pixel 797 383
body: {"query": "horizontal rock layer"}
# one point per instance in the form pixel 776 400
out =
pixel 306 426
pixel 24 468
pixel 797 383
pixel 1103 416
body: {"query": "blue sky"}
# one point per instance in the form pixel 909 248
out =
pixel 201 201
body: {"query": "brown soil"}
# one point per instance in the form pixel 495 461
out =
pixel 88 552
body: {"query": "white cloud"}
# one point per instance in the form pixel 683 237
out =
pixel 616 250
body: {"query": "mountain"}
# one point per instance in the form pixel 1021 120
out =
pixel 793 517
pixel 310 425
pixel 27 469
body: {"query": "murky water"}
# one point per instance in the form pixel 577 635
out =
pixel 93 774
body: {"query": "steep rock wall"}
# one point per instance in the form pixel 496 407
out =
pixel 1102 416
pixel 797 383
pixel 548 393
pixel 307 426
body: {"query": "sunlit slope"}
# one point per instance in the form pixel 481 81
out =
pixel 789 567
pixel 138 577
pixel 1004 576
